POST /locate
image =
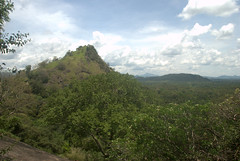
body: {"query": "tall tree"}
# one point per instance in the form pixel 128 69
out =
pixel 8 40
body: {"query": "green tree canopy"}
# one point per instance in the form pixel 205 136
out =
pixel 5 8
pixel 8 40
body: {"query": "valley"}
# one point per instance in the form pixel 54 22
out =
pixel 80 108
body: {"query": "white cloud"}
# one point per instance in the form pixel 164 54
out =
pixel 35 52
pixel 50 33
pixel 42 21
pixel 106 38
pixel 180 51
pixel 173 38
pixel 161 40
pixel 125 58
pixel 238 40
pixel 222 8
pixel 105 43
pixel 233 60
pixel 201 56
pixel 225 32
pixel 149 49
pixel 153 28
pixel 173 57
pixel 199 30
pixel 172 50
pixel 192 52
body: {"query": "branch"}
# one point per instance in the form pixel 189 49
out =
pixel 99 146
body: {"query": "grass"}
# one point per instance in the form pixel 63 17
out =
pixel 77 154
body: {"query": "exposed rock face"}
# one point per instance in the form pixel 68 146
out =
pixel 24 152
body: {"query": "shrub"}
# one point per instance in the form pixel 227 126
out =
pixel 77 154
pixel 61 66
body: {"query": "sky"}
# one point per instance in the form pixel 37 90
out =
pixel 133 36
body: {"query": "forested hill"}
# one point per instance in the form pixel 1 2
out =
pixel 176 78
pixel 75 65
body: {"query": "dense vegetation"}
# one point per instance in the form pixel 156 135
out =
pixel 198 90
pixel 80 108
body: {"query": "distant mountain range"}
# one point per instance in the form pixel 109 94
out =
pixel 146 75
pixel 225 77
pixel 183 77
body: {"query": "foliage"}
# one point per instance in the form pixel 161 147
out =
pixel 91 54
pixel 189 132
pixel 196 92
pixel 16 97
pixel 8 40
pixel 5 8
pixel 77 154
pixel 28 69
pixel 43 63
pixel 112 116
pixel 227 116
pixel 60 72
pixel 15 39
pixel 61 66
pixel 96 108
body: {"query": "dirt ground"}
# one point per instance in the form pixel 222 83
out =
pixel 24 152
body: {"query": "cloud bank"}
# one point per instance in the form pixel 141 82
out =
pixel 50 33
pixel 225 32
pixel 188 53
pixel 222 8
pixel 152 46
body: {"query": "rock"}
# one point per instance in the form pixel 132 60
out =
pixel 20 151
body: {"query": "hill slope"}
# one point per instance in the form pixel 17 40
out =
pixel 75 65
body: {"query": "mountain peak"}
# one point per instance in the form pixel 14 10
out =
pixel 78 65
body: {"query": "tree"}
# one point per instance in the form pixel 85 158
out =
pixel 8 40
pixel 28 69
pixel 5 8
pixel 96 114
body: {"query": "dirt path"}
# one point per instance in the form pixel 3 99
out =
pixel 24 152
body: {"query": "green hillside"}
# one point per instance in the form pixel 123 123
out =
pixel 79 108
pixel 58 73
pixel 77 65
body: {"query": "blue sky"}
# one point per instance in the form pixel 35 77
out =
pixel 133 36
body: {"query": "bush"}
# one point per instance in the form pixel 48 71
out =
pixel 61 66
pixel 43 63
pixel 69 53
pixel 11 124
pixel 77 154
pixel 40 75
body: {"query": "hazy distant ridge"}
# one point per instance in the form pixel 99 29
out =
pixel 226 77
pixel 182 77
